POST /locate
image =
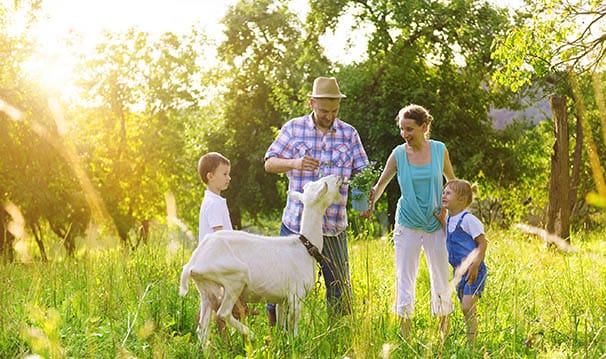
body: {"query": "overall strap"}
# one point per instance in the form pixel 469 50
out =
pixel 461 219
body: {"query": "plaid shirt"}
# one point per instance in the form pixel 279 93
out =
pixel 340 152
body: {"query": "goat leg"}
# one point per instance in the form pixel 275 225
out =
pixel 230 297
pixel 204 316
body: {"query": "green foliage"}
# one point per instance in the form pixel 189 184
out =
pixel 34 170
pixel 134 160
pixel 116 303
pixel 418 53
pixel 147 110
pixel 517 189
pixel 364 180
pixel 550 39
pixel 269 64
pixel 553 48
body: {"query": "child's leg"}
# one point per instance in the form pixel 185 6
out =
pixel 247 309
pixel 469 306
pixel 241 309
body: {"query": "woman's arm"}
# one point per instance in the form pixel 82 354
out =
pixel 448 171
pixel 375 193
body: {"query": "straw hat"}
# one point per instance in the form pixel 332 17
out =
pixel 326 87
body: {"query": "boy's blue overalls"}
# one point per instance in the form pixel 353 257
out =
pixel 459 244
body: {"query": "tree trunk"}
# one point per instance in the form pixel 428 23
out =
pixel 236 217
pixel 558 209
pixel 576 157
pixel 37 231
pixel 6 238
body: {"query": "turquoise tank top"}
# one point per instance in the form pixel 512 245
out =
pixel 420 188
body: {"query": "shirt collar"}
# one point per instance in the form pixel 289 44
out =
pixel 210 193
pixel 310 123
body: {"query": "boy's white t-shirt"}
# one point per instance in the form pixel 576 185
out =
pixel 470 224
pixel 213 213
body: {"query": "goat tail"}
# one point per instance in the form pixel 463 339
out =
pixel 185 274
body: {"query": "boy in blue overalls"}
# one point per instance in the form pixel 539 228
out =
pixel 466 246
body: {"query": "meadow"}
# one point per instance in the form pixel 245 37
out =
pixel 539 303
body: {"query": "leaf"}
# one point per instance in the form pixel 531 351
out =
pixel 364 180
pixel 595 199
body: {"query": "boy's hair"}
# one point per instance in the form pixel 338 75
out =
pixel 463 190
pixel 209 163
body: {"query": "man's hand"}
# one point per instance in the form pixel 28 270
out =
pixel 307 163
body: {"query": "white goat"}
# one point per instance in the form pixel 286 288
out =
pixel 257 268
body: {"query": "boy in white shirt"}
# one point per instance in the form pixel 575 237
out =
pixel 214 169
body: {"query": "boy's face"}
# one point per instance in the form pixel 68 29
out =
pixel 219 179
pixel 450 200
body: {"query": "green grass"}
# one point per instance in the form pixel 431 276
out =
pixel 538 303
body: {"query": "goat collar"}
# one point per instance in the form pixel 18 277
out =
pixel 311 249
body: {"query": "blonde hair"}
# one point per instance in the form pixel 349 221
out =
pixel 463 189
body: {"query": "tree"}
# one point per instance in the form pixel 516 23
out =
pixel 144 95
pixel 550 50
pixel 34 172
pixel 432 53
pixel 269 63
pixel 558 211
pixel 7 239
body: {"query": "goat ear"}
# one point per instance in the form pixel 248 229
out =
pixel 296 195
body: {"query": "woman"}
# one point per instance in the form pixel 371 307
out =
pixel 420 164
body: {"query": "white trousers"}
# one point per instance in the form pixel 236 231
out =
pixel 408 243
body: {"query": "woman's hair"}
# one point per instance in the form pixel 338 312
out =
pixel 417 113
pixel 463 190
pixel 209 163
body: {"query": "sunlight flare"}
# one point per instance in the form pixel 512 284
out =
pixel 548 238
pixel 11 111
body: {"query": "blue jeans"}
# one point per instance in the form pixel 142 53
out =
pixel 335 270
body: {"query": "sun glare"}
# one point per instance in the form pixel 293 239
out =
pixel 82 23
pixel 53 71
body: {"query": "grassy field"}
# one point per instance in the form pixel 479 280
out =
pixel 538 303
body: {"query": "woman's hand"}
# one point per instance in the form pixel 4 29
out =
pixel 371 205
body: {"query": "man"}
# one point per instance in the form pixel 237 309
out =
pixel 310 147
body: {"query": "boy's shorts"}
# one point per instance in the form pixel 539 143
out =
pixel 476 288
